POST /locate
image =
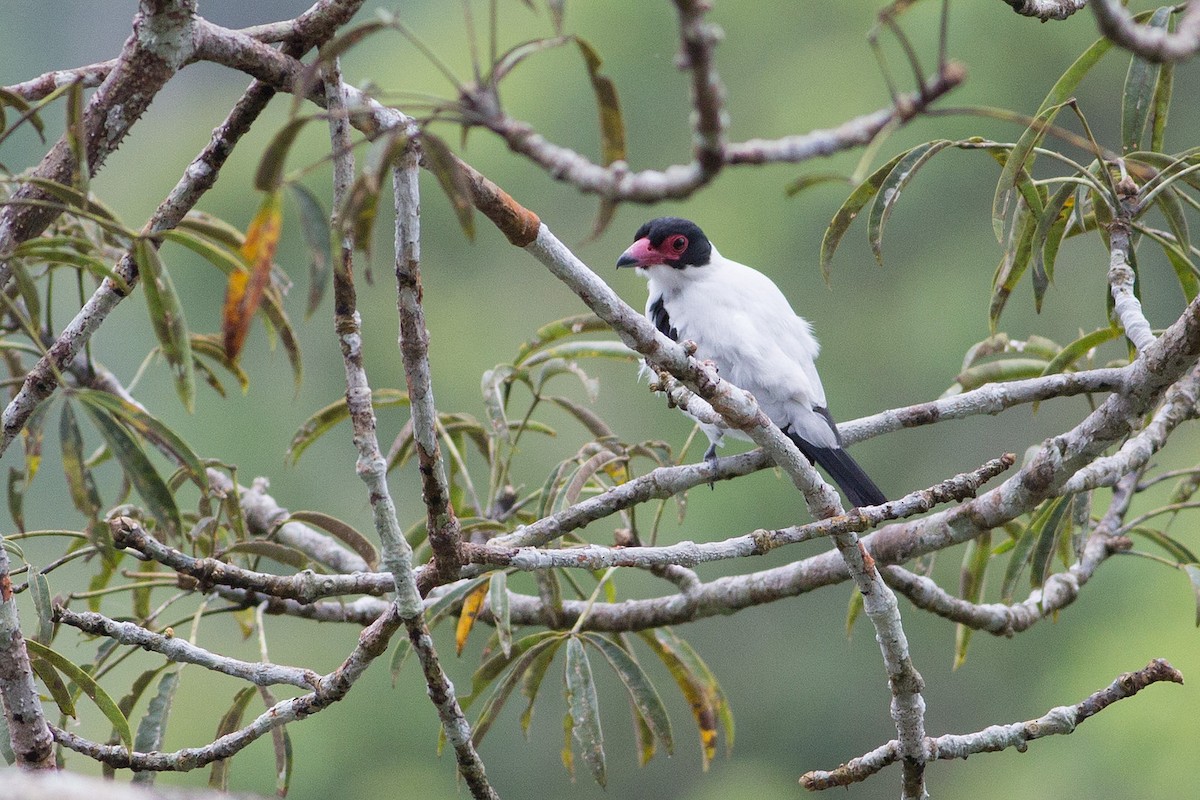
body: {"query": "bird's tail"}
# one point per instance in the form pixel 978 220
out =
pixel 846 473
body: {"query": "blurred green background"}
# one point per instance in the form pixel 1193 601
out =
pixel 804 695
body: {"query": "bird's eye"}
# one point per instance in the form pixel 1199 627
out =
pixel 678 243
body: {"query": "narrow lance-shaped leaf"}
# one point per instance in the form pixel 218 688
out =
pixel 642 693
pixel 167 318
pixel 39 590
pixel 150 428
pixel 244 291
pixel 970 588
pixel 136 467
pixel 889 191
pixel 702 702
pixel 520 667
pixel 850 209
pixel 277 320
pixel 317 235
pixel 326 418
pixel 232 720
pixel 498 598
pixel 342 531
pixel 466 619
pixel 612 126
pixel 269 175
pixel 1047 236
pixel 1193 573
pixel 451 177
pixel 87 684
pixel 1047 527
pixel 1138 96
pixel 584 708
pixel 152 730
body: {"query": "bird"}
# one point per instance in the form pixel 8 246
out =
pixel 743 324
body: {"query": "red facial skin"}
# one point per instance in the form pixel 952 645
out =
pixel 644 254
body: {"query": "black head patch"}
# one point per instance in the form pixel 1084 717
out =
pixel 681 241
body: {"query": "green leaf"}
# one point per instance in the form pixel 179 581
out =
pixel 586 349
pixel 1193 573
pixel 277 319
pixel 1017 253
pixel 494 386
pixel 1046 528
pixel 1139 95
pixel 814 179
pixel 557 330
pixel 87 684
pixel 1175 548
pixel 152 730
pixel 694 688
pixel 342 531
pixel 230 722
pixel 272 550
pixel 500 694
pixel 16 498
pixel 498 599
pixel 1009 369
pixel 149 428
pixel 452 178
pixel 167 319
pixel 317 236
pixel 642 693
pixel 217 253
pixel 1079 348
pixel 531 681
pixel 850 209
pixel 39 590
pixel 1047 237
pixel 323 420
pixel 970 588
pixel 584 708
pixel 137 468
pixel 54 685
pixel 853 610
pixel 587 418
pixel 889 191
pixel 269 175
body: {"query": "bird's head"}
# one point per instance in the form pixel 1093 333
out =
pixel 668 241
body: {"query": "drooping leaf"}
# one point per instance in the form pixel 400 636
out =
pixel 1047 237
pixel 136 467
pixel 273 550
pixel 584 708
pixel 277 320
pixel 521 666
pixel 323 420
pixel 1193 573
pixel 642 693
pixel 1079 348
pixel 55 687
pixel 269 175
pixel 167 318
pixel 149 428
pixel 39 591
pixel 697 694
pixel 494 386
pixel 1017 253
pixel 317 235
pixel 498 598
pixel 850 209
pixel 559 329
pixel 452 178
pixel 342 531
pixel 970 588
pixel 472 605
pixel 891 187
pixel 232 720
pixel 87 684
pixel 152 730
pixel 244 290
pixel 1141 82
pixel 1047 527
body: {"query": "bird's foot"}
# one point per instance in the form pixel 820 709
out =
pixel 710 458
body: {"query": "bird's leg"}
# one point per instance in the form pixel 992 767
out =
pixel 710 458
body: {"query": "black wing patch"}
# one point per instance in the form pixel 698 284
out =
pixel 662 320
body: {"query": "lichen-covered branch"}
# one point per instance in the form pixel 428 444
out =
pixel 1046 9
pixel 27 730
pixel 1057 721
pixel 1152 44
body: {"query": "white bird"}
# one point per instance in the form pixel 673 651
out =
pixel 744 325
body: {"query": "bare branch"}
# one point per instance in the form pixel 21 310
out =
pixel 1153 44
pixel 1126 305
pixel 27 729
pixel 372 643
pixel 1046 9
pixel 182 651
pixel 760 542
pixel 1060 720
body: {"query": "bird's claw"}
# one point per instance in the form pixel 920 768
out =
pixel 710 458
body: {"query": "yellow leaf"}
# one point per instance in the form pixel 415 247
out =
pixel 245 290
pixel 466 620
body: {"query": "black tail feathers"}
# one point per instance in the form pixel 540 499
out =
pixel 846 473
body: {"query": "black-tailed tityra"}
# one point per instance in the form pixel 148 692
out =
pixel 743 324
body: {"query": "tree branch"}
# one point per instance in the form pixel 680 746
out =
pixel 1060 720
pixel 27 728
pixel 1046 9
pixel 1152 44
